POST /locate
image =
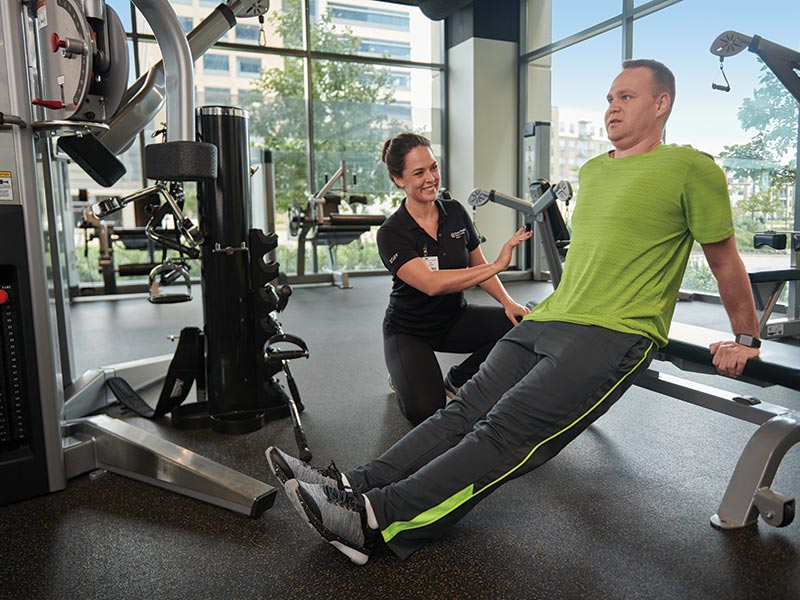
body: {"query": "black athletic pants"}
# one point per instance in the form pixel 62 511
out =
pixel 415 372
pixel 542 385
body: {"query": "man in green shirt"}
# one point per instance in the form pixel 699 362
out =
pixel 640 209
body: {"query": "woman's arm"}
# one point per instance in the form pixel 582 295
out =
pixel 494 287
pixel 418 274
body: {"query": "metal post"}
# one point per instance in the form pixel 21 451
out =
pixel 178 66
pixel 224 206
pixel 36 465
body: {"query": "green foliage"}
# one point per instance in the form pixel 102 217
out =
pixel 358 255
pixel 766 202
pixel 768 159
pixel 772 114
pixel 350 110
pixel 698 276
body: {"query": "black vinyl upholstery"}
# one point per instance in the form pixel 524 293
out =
pixel 778 363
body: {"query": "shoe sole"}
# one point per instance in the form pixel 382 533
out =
pixel 292 490
pixel 279 474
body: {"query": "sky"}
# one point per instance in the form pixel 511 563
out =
pixel 680 36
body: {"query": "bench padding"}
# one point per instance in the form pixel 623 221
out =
pixel 778 363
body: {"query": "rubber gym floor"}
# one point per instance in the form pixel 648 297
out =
pixel 623 512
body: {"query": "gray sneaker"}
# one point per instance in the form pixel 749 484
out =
pixel 286 467
pixel 340 517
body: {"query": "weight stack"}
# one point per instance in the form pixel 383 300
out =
pixel 271 396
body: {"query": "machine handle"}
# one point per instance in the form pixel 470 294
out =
pixel 272 353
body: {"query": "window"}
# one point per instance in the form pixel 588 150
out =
pixel 247 33
pixel 217 63
pixel 380 18
pixel 187 23
pixel 217 95
pixel 402 80
pixel 386 48
pixel 401 111
pixel 248 67
pixel 246 98
pixel 572 16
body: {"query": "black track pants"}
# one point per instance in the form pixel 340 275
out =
pixel 415 372
pixel 541 385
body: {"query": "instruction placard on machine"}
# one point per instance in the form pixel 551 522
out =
pixel 5 187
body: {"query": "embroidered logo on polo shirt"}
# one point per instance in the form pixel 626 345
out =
pixel 393 258
pixel 457 235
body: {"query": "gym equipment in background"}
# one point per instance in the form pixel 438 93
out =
pixel 321 223
pixel 542 213
pixel 45 436
pixel 768 286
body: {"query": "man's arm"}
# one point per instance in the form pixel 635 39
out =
pixel 737 298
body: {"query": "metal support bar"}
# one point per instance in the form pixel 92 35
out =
pixel 748 492
pixel 178 67
pixel 89 393
pixel 754 473
pixel 705 396
pixel 100 442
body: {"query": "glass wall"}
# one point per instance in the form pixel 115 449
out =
pixel 751 130
pixel 316 95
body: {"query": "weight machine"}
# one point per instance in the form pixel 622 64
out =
pixel 74 93
pixel 768 285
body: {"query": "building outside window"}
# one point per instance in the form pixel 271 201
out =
pixel 246 33
pixel 379 18
pixel 386 48
pixel 216 62
pixel 247 66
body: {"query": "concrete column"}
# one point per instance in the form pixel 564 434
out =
pixel 483 115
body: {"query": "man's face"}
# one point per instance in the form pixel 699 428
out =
pixel 633 110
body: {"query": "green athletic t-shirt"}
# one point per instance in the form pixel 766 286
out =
pixel 633 226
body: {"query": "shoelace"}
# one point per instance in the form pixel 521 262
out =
pixel 332 472
pixel 347 500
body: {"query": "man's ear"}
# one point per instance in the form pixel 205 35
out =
pixel 663 103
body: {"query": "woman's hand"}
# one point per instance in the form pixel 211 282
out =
pixel 507 251
pixel 515 311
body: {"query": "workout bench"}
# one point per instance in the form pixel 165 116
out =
pixel 321 223
pixel 748 493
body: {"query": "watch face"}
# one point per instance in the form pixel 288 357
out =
pixel 747 340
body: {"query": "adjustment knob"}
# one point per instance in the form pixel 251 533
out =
pixel 3 296
pixel 56 42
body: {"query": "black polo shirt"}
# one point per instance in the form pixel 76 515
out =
pixel 401 239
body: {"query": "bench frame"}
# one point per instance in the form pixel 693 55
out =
pixel 748 494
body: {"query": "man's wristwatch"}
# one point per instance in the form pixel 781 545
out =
pixel 750 341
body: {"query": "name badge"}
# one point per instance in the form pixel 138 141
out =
pixel 432 262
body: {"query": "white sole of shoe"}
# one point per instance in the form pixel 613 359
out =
pixel 354 555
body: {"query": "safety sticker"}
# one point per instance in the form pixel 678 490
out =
pixel 5 186
pixel 41 13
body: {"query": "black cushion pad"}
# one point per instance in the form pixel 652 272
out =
pixel 778 363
